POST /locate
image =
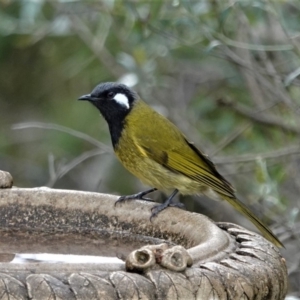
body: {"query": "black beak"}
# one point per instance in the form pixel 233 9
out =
pixel 88 97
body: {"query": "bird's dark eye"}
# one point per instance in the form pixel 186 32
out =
pixel 110 95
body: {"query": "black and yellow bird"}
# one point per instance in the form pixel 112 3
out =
pixel 154 150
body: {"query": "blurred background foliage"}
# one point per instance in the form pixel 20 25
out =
pixel 225 72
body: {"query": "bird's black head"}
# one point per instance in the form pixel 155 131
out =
pixel 114 101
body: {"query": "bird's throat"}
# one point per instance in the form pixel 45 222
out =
pixel 115 129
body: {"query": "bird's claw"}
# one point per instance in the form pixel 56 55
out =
pixel 179 205
pixel 132 197
pixel 146 199
pixel 121 199
pixel 155 210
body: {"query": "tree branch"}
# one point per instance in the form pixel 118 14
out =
pixel 265 119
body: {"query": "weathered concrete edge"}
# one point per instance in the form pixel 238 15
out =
pixel 193 231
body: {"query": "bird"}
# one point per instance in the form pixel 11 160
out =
pixel 154 150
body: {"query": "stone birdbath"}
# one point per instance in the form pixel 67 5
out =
pixel 179 255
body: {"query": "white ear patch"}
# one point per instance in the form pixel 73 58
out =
pixel 122 99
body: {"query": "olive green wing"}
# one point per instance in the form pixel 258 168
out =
pixel 186 159
pixel 198 166
pixel 160 140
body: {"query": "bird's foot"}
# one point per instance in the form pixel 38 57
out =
pixel 155 210
pixel 137 196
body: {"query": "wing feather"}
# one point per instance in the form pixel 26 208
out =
pixel 169 147
pixel 191 162
pixel 200 171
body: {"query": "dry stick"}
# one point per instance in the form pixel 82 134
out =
pixel 244 34
pixel 63 170
pixel 230 138
pixel 266 119
pixel 253 157
pixel 249 167
pixel 269 67
pixel 271 88
pixel 237 44
pixel 259 73
pixel 277 18
pixel 254 88
pixel 96 45
pixel 52 126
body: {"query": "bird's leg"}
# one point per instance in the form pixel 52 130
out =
pixel 138 196
pixel 158 208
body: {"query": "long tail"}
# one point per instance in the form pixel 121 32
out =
pixel 266 232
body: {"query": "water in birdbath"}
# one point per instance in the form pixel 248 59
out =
pixel 27 247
